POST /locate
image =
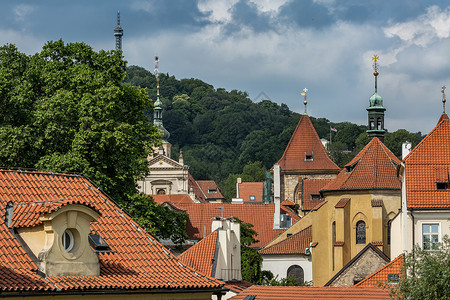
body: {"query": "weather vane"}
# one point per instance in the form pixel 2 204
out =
pixel 443 97
pixel 375 59
pixel 304 94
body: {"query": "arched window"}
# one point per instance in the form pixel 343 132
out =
pixel 389 223
pixel 360 232
pixel 296 272
pixel 161 192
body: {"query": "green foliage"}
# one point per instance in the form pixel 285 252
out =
pixel 428 274
pixel 287 281
pixel 66 109
pixel 395 140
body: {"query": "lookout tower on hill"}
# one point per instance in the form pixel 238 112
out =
pixel 118 33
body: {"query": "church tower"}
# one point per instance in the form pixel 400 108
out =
pixel 376 109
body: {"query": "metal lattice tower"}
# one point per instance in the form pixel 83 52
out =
pixel 118 33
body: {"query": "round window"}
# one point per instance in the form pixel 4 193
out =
pixel 67 240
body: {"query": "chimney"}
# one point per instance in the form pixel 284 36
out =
pixel 239 181
pixel 406 148
pixel 276 196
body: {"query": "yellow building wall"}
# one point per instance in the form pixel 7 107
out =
pixel 329 259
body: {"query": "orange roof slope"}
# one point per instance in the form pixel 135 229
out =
pixel 301 292
pixel 210 189
pixel 247 189
pixel 295 244
pixel 175 199
pixel 374 167
pixel 201 256
pixel 305 141
pixel 426 165
pixel 139 262
pixel 260 215
pixel 381 276
pixel 311 187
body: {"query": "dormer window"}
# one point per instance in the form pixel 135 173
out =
pixel 212 191
pixel 68 240
pixel 315 197
pixel 308 157
pixel 252 198
pixel 98 243
pixel 350 168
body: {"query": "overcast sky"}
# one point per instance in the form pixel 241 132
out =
pixel 274 47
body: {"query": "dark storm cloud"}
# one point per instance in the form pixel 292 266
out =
pixel 306 14
pixel 245 13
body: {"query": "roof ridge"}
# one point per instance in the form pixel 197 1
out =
pixel 359 284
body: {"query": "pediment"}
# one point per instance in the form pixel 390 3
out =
pixel 164 162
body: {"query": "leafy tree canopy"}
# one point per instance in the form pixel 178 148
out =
pixel 66 109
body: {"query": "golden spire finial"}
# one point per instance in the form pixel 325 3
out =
pixel 304 101
pixel 443 98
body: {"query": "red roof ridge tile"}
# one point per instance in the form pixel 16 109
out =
pixel 375 278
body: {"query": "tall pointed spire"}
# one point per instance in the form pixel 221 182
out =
pixel 157 114
pixel 305 90
pixel 376 109
pixel 118 33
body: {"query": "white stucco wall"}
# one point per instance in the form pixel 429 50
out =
pixel 441 217
pixel 279 264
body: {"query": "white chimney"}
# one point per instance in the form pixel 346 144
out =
pixel 406 148
pixel 239 181
pixel 276 196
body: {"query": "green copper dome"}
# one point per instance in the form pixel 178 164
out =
pixel 376 100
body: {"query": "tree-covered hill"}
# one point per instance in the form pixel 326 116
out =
pixel 222 131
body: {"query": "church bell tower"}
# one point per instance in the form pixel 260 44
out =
pixel 376 109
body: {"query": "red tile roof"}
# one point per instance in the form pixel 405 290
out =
pixel 426 165
pixel 311 187
pixel 305 141
pixel 260 215
pixel 294 244
pixel 381 276
pixel 247 189
pixel 374 167
pixel 238 286
pixel 210 189
pixel 322 293
pixel 201 256
pixel 342 203
pixel 180 198
pixel 288 202
pixel 139 262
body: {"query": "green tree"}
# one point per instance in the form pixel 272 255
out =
pixel 66 109
pixel 427 274
pixel 395 140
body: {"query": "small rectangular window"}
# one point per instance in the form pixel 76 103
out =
pixel 308 157
pixel 430 237
pixel 212 191
pixel 252 198
pixel 315 197
pixel 441 186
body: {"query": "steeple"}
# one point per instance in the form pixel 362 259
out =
pixel 444 115
pixel 304 101
pixel 376 109
pixel 157 113
pixel 118 33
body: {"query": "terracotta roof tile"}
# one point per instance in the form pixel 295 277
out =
pixel 201 256
pixel 180 198
pixel 311 187
pixel 297 292
pixel 260 215
pixel 342 203
pixel 210 189
pixel 374 167
pixel 138 262
pixel 238 286
pixel 294 244
pixel 255 189
pixel 426 165
pixel 381 276
pixel 377 203
pixel 305 141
